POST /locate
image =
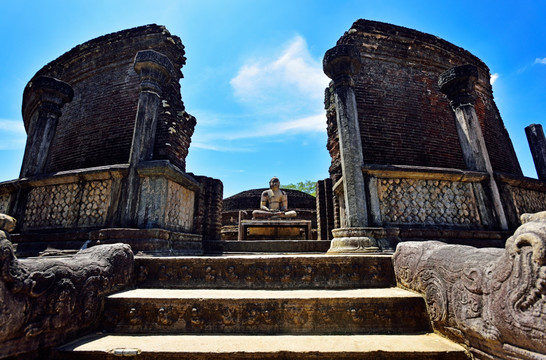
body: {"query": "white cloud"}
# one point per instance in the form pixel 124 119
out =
pixel 282 95
pixel 309 124
pixel 12 135
pixel 494 78
pixel 12 126
pixel 540 61
pixel 293 73
pixel 314 123
pixel 206 145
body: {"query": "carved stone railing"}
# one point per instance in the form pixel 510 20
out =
pixel 491 300
pixel 521 195
pixel 404 195
pixel 90 198
pixel 46 301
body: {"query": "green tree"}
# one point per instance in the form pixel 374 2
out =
pixel 306 186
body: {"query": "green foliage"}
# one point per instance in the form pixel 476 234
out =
pixel 307 186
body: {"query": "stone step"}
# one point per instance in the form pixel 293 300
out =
pixel 266 271
pixel 266 246
pixel 229 347
pixel 360 311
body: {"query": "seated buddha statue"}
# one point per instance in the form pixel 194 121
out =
pixel 273 203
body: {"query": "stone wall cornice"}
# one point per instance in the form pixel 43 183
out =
pixel 166 169
pixel 73 176
pixel 522 182
pixel 423 173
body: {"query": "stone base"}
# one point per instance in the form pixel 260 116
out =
pixel 265 246
pixel 274 229
pixel 151 241
pixel 143 241
pixel 352 240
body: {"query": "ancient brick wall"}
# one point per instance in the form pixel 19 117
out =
pixel 325 209
pixel 404 118
pixel 208 208
pixel 96 128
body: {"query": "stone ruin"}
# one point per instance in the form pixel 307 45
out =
pixel 108 136
pixel 419 152
pixel 427 148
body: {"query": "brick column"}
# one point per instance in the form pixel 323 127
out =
pixel 537 144
pixel 458 84
pixel 46 96
pixel 155 71
pixel 325 209
pixel 340 64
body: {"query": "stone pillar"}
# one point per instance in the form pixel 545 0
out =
pixel 458 84
pixel 340 64
pixel 155 71
pixel 537 144
pixel 45 96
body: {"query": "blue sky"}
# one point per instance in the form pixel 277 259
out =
pixel 253 77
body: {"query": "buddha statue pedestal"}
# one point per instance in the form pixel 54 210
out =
pixel 274 230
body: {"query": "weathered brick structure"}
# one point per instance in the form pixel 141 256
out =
pixel 404 117
pixel 108 136
pixel 436 159
pixel 101 115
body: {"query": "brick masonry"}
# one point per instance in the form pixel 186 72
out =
pixel 404 118
pixel 208 207
pixel 96 128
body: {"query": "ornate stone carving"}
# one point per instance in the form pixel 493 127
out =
pixel 68 205
pixel 179 207
pixel 4 203
pixel 340 63
pixel 142 273
pixel 167 316
pixel 95 202
pixel 260 315
pixel 52 206
pixel 430 202
pixel 185 273
pixel 52 298
pixel 528 201
pixel 229 316
pixel 297 315
pixel 458 84
pixel 265 272
pixel 492 300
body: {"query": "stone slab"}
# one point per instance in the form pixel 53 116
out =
pixel 424 347
pixel 354 311
pixel 266 246
pixel 272 229
pixel 266 271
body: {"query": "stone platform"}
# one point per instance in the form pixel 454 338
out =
pixel 265 246
pixel 228 347
pixel 268 306
pixel 274 229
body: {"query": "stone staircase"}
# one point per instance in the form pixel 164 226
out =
pixel 268 306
